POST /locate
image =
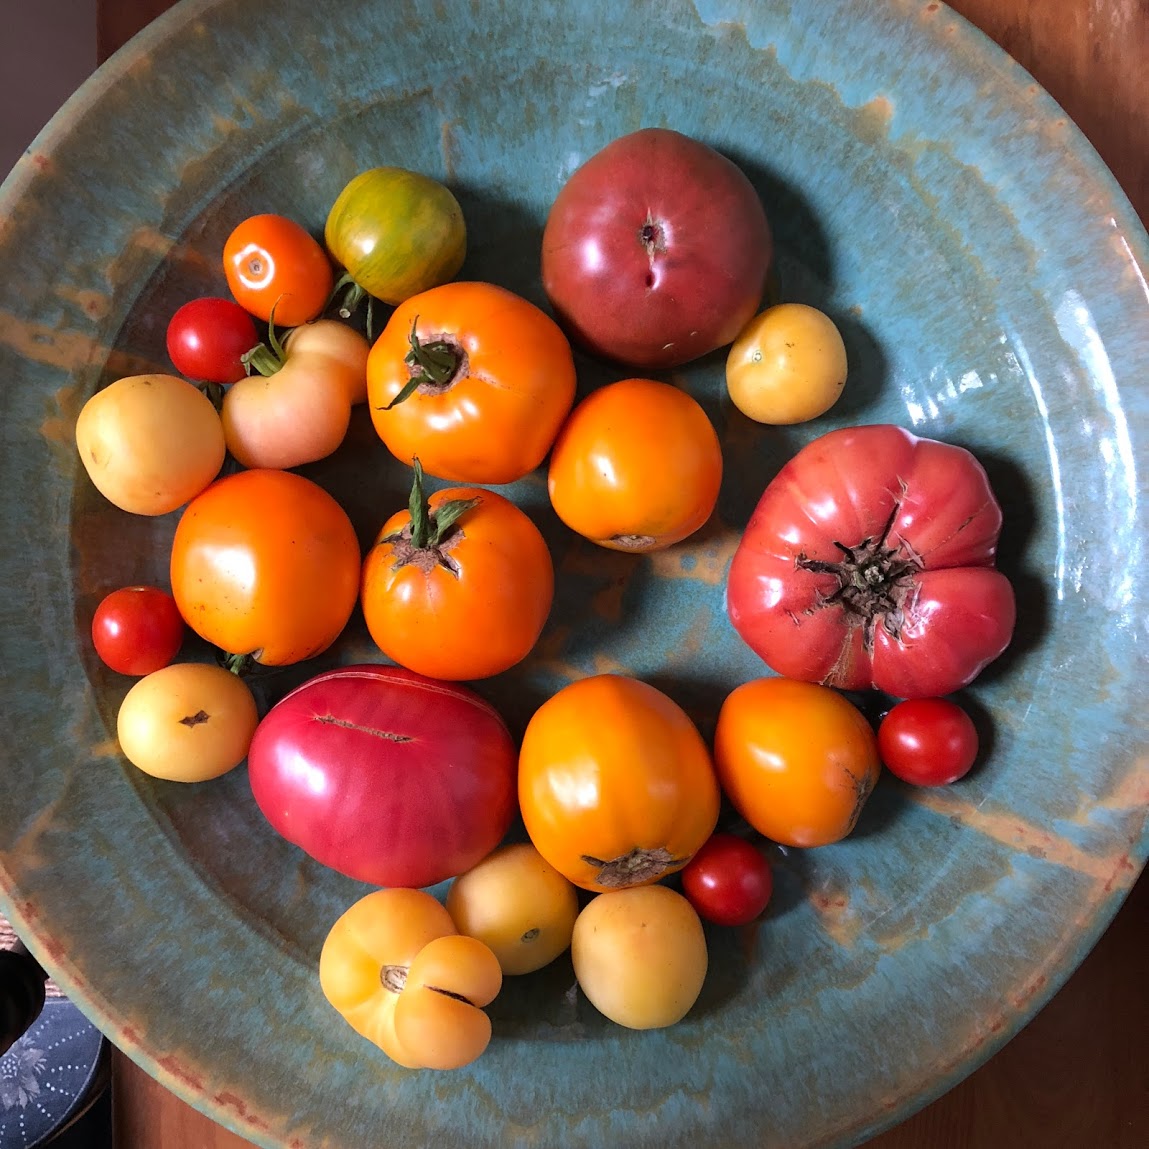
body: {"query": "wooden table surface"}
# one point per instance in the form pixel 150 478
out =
pixel 1077 1077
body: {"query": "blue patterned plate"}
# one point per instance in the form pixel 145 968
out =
pixel 989 278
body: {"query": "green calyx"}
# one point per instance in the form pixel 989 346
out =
pixel 435 364
pixel 346 296
pixel 266 358
pixel 429 529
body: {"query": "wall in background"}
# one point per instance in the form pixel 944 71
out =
pixel 48 49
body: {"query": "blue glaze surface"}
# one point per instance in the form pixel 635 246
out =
pixel 989 279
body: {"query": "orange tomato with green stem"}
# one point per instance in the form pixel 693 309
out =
pixel 616 785
pixel 473 379
pixel 459 585
pixel 636 467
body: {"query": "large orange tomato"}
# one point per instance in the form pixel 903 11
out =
pixel 459 585
pixel 616 785
pixel 637 466
pixel 265 563
pixel 796 759
pixel 474 380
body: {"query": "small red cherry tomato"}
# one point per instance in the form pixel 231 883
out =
pixel 928 741
pixel 729 881
pixel 137 630
pixel 207 339
pixel 273 262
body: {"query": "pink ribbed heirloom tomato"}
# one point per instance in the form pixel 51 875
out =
pixel 869 562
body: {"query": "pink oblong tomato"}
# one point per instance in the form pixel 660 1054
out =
pixel 869 562
pixel 387 776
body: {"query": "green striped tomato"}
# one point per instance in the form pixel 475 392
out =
pixel 397 233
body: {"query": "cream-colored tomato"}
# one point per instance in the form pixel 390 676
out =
pixel 187 722
pixel 517 903
pixel 640 956
pixel 150 443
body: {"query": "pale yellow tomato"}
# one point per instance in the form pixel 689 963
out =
pixel 516 902
pixel 188 722
pixel 150 443
pixel 640 956
pixel 788 365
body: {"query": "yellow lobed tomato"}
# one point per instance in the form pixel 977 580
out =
pixel 150 442
pixel 439 1019
pixel 474 380
pixel 399 974
pixel 640 956
pixel 796 759
pixel 518 904
pixel 459 586
pixel 187 722
pixel 787 365
pixel 636 467
pixel 616 785
pixel 297 408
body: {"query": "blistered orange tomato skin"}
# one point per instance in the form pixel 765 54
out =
pixel 272 262
pixel 797 760
pixel 610 765
pixel 636 467
pixel 380 935
pixel 497 420
pixel 266 563
pixel 477 620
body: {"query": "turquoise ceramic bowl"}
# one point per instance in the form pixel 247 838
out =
pixel 989 278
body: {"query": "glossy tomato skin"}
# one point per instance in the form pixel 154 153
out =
pixel 272 262
pixel 497 418
pixel 300 411
pixel 137 629
pixel 729 881
pixel 797 760
pixel 616 786
pixel 385 775
pixel 656 251
pixel 266 563
pixel 921 525
pixel 397 232
pixel 928 741
pixel 207 339
pixel 636 492
pixel 477 612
